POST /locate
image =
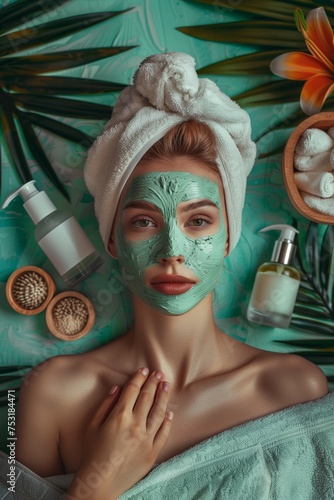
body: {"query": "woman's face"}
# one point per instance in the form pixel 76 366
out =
pixel 170 233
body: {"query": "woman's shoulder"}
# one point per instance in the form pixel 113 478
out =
pixel 64 374
pixel 291 379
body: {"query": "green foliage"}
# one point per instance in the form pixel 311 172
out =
pixel 314 308
pixel 28 95
pixel 269 30
pixel 10 378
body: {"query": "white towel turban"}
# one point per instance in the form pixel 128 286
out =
pixel 167 91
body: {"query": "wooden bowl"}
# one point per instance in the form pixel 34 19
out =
pixel 322 121
pixel 70 315
pixel 23 284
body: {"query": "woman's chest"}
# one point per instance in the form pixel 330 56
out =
pixel 197 418
pixel 199 413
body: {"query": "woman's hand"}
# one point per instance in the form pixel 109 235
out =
pixel 124 438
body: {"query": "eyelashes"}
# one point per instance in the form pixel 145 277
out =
pixel 143 223
pixel 198 222
pixel 195 222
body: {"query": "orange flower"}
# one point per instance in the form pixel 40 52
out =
pixel 318 68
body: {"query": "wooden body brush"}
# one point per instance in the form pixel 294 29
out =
pixel 70 315
pixel 29 290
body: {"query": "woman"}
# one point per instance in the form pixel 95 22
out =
pixel 168 176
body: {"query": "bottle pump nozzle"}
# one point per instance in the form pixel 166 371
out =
pixel 284 248
pixel 59 235
pixel 37 203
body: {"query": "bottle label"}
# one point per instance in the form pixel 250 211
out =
pixel 66 245
pixel 274 293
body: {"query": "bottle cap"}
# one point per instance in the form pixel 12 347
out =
pixel 284 249
pixel 37 203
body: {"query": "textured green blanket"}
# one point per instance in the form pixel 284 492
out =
pixel 288 455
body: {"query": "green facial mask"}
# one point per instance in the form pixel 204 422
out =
pixel 204 256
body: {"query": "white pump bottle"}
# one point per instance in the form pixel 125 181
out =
pixel 276 283
pixel 59 235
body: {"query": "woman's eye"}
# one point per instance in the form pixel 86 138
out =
pixel 198 223
pixel 143 223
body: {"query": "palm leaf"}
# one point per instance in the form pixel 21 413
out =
pixel 12 370
pixel 289 121
pixel 256 63
pixel 28 97
pixel 13 14
pixel 13 142
pixel 286 122
pixel 326 268
pixel 275 92
pixel 271 25
pixel 254 32
pixel 39 154
pixel 4 392
pixel 61 85
pixel 306 296
pixel 62 107
pixel 56 61
pixel 318 358
pixel 270 8
pixel 311 325
pixel 28 38
pixel 311 268
pixel 311 343
pixel 61 129
pixel 11 377
pixel 314 310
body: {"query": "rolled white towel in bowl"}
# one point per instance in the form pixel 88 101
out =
pixel 321 205
pixel 314 141
pixel 322 162
pixel 330 132
pixel 317 183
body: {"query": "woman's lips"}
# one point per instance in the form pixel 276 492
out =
pixel 172 284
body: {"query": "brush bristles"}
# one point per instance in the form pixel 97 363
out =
pixel 70 315
pixel 30 290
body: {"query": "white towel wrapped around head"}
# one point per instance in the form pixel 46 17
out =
pixel 167 91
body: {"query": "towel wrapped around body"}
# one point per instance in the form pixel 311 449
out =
pixel 287 455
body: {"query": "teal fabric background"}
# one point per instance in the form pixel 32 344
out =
pixel 151 27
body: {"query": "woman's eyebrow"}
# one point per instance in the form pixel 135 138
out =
pixel 145 205
pixel 198 204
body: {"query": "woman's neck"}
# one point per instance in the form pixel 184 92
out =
pixel 185 348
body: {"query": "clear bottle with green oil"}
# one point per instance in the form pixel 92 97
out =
pixel 276 284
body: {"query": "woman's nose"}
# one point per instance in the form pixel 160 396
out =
pixel 171 250
pixel 171 260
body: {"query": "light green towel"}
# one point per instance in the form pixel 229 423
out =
pixel 288 455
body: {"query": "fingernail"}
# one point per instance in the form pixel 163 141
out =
pixel 158 375
pixel 165 386
pixel 113 389
pixel 144 371
pixel 170 415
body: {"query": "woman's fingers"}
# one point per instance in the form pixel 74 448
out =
pixel 105 407
pixel 132 389
pixel 157 413
pixel 161 437
pixel 144 398
pixel 147 395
